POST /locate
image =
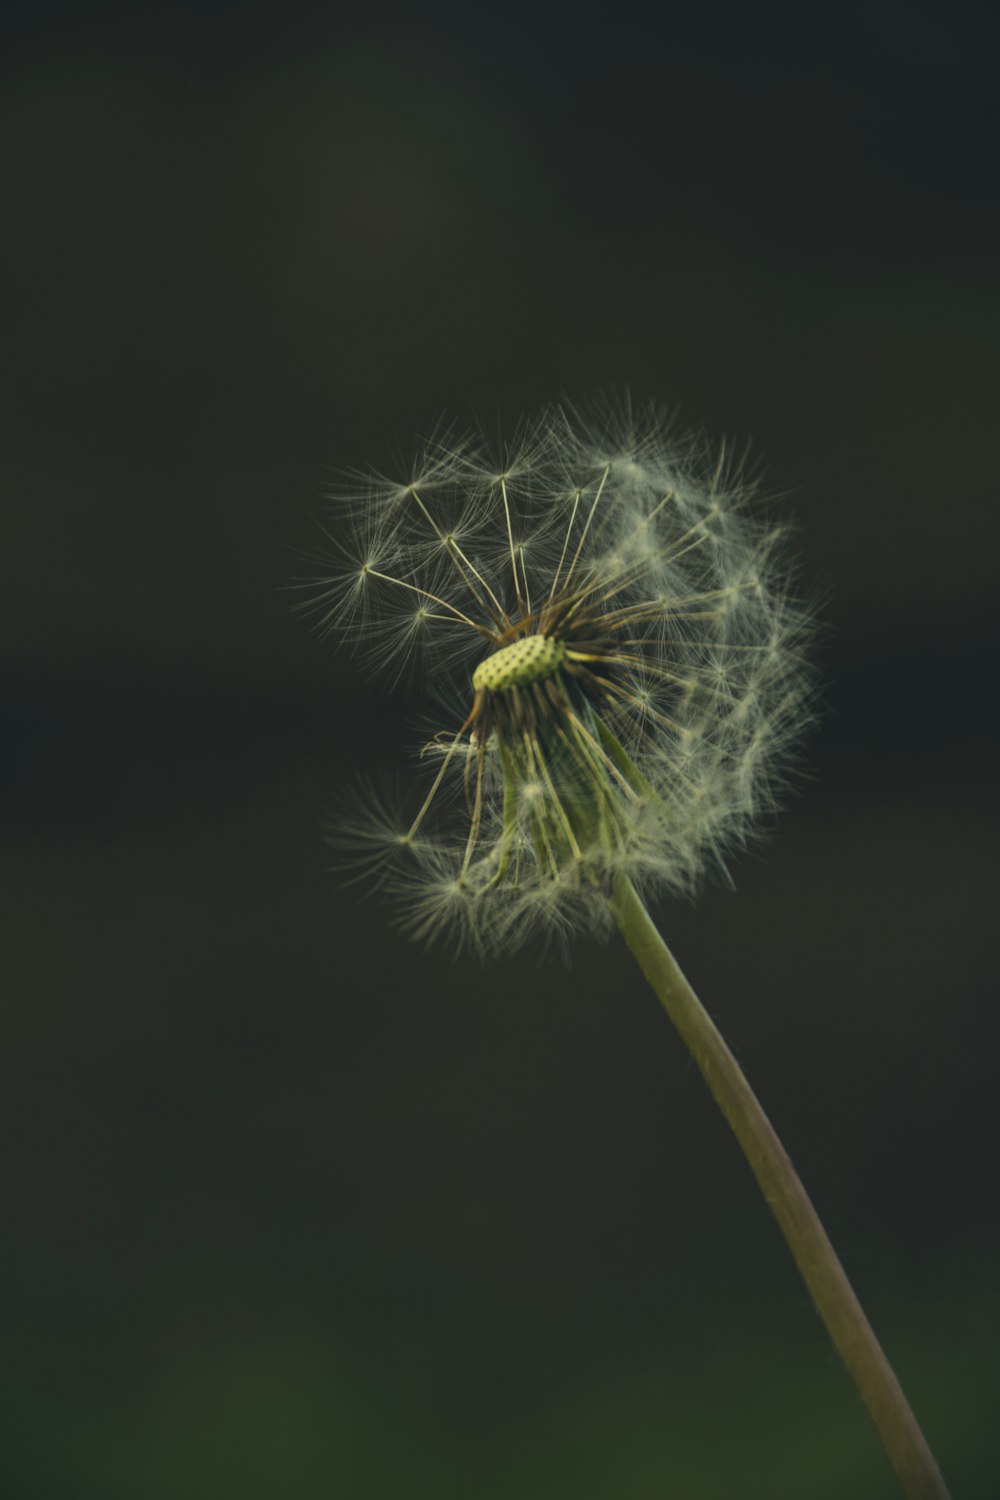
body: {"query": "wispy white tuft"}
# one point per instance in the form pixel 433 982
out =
pixel 656 745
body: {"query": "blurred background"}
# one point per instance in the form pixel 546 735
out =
pixel 290 1209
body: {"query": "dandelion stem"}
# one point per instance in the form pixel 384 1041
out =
pixel 814 1255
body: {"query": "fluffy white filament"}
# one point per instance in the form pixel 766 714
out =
pixel 643 553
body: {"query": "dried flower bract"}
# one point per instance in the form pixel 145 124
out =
pixel 614 628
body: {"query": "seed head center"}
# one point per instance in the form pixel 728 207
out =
pixel 528 660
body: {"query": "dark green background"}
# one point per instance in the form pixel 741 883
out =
pixel 289 1209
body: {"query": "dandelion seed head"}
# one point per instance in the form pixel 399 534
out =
pixel 621 666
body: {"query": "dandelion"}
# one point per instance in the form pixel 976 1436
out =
pixel 624 669
pixel 623 673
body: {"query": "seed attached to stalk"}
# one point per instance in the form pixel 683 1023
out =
pixel 624 737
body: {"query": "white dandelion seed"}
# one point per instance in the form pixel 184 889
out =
pixel 625 665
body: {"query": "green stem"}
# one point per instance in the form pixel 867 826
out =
pixel 815 1257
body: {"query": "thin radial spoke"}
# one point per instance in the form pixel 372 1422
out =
pixel 477 811
pixel 585 761
pixel 615 659
pixel 586 527
pixel 690 641
pixel 440 775
pixel 562 555
pixel 678 774
pixel 459 558
pixel 664 721
pixel 621 580
pixel 594 748
pixel 524 579
pixel 539 832
pixel 719 467
pixel 670 495
pixel 535 750
pixel 643 707
pixel 426 594
pixel 510 541
pixel 654 607
pixel 501 615
pixel 607 812
pixel 623 618
pixel 630 575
